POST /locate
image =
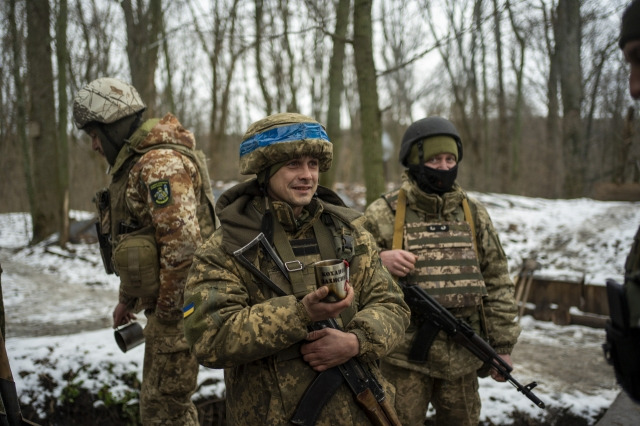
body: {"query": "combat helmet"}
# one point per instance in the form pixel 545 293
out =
pixel 424 128
pixel 105 100
pixel 283 136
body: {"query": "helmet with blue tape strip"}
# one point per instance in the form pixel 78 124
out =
pixel 281 137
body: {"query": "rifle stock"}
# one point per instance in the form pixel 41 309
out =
pixel 433 317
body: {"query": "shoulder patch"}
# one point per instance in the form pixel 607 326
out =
pixel 160 193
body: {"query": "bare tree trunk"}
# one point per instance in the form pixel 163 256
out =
pixel 370 127
pixel 259 69
pixel 143 30
pixel 42 130
pixel 286 46
pixel 516 140
pixel 20 105
pixel 503 148
pixel 552 164
pixel 336 87
pixel 63 142
pixel 568 44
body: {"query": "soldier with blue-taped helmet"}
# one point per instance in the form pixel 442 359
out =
pixel 252 293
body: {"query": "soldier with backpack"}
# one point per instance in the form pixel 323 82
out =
pixel 156 211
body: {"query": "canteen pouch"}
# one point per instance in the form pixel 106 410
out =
pixel 136 261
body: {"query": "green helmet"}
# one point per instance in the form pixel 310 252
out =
pixel 105 100
pixel 424 128
pixel 281 137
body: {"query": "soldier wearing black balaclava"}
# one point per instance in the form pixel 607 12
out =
pixel 447 245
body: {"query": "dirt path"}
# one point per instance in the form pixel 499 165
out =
pixel 53 309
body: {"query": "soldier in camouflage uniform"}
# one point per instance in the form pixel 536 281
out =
pixel 623 340
pixel 457 258
pixel 157 210
pixel 235 321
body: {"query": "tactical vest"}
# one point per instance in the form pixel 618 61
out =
pixel 332 240
pixel 447 266
pixel 117 227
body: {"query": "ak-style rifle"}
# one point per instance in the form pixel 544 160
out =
pixel 367 391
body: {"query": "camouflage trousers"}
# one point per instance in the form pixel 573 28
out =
pixel 456 402
pixel 169 376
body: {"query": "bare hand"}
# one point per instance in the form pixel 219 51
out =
pixel 122 315
pixel 319 310
pixel 494 373
pixel 399 262
pixel 329 347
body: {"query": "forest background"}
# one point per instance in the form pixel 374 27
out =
pixel 537 88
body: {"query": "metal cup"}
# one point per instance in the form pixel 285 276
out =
pixel 334 273
pixel 129 336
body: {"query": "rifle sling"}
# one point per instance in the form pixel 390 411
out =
pixel 316 396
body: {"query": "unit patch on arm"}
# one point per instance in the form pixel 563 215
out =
pixel 160 193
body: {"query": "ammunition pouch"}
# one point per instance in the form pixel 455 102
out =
pixel 136 261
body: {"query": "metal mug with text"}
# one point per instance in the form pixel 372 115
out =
pixel 334 273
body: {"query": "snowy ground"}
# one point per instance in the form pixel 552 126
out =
pixel 58 307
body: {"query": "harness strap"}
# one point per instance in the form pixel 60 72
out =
pixel 398 226
pixel 294 266
pixel 469 219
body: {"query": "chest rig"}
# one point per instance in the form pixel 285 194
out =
pixel 447 266
pixel 326 238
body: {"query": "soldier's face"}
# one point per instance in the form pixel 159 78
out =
pixel 96 144
pixel 442 161
pixel 632 56
pixel 295 182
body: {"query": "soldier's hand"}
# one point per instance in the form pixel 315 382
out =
pixel 319 310
pixel 398 262
pixel 329 347
pixel 494 373
pixel 122 315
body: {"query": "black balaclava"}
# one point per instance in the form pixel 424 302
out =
pixel 112 136
pixel 432 181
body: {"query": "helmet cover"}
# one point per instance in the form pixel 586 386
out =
pixel 105 100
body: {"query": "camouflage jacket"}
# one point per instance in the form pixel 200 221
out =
pixel 239 324
pixel 447 359
pixel 632 281
pixel 174 219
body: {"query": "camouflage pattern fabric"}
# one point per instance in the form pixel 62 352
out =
pixel 162 189
pixel 447 360
pixel 177 230
pixel 170 376
pixel 239 325
pixel 456 401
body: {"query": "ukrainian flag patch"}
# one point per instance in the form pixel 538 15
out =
pixel 188 310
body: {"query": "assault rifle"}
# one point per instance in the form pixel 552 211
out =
pixel 365 387
pixel 431 317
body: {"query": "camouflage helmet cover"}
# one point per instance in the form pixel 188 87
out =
pixel 283 136
pixel 424 128
pixel 105 100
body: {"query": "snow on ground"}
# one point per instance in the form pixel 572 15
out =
pixel 570 238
